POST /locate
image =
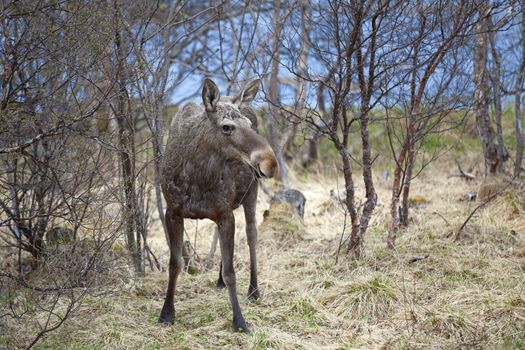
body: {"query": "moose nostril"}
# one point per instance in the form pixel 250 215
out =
pixel 261 172
pixel 269 172
pixel 265 163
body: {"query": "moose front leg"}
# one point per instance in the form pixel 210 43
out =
pixel 175 226
pixel 226 238
pixel 251 234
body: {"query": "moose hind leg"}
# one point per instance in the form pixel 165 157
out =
pixel 226 238
pixel 220 281
pixel 251 234
pixel 175 225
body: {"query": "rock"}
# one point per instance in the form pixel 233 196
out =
pixel 292 197
pixel 283 221
pixel 417 258
pixel 471 196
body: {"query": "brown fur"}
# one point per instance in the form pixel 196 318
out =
pixel 211 166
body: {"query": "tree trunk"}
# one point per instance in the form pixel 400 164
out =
pixel 355 249
pixel 300 93
pixel 406 184
pixel 496 86
pixel 273 129
pixel 41 197
pixel 518 122
pixel 312 154
pixel 356 245
pixel 126 144
pixel 11 172
pixel 396 192
pixel 409 162
pixel 126 133
pixel 483 122
pixel 157 143
pixel 313 143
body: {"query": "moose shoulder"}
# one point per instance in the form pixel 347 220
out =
pixel 212 163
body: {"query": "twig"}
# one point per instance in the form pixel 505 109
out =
pixel 441 216
pixel 463 174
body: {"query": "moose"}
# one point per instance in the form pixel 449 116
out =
pixel 213 161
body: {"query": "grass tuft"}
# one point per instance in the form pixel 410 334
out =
pixel 367 298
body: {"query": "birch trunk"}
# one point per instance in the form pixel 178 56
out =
pixel 396 192
pixel 273 130
pixel 356 246
pixel 481 97
pixel 496 85
pixel 126 137
pixel 518 122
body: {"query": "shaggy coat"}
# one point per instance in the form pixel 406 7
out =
pixel 212 163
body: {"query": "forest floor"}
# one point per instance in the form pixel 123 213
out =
pixel 466 293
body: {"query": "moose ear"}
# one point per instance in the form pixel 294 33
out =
pixel 248 93
pixel 210 95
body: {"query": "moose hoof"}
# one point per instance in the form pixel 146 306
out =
pixel 240 326
pixel 220 284
pixel 253 294
pixel 167 317
pixel 166 321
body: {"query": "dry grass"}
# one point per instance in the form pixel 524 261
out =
pixel 282 226
pixel 465 294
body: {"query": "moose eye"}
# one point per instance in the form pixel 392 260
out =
pixel 227 129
